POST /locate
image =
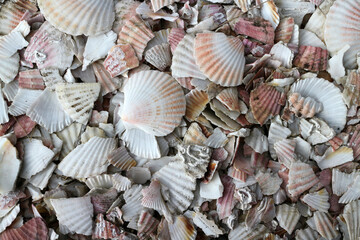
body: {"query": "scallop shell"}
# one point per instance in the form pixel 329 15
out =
pixel 268 182
pixel 196 102
pixel 69 136
pixel 9 68
pixel 74 213
pixel 306 234
pixel 264 102
pixel 147 225
pixel 31 79
pixel 124 10
pixel 108 84
pixel 137 34
pixel 132 208
pixel 318 200
pixel 351 215
pixel 301 178
pixel 285 151
pixel 78 99
pixel 159 56
pixel 10 90
pixel 222 114
pixel 120 182
pixel 257 141
pixel 47 111
pixel 182 229
pixel 284 30
pixel 102 199
pixel 269 12
pixel 307 38
pixel 294 8
pixel 3 109
pixel 215 49
pixel 175 36
pixel 35 228
pixel 23 100
pixel 324 226
pixel 229 98
pixel 311 58
pixel 36 158
pixel 41 179
pixel 121 159
pixel 194 135
pixel 306 107
pixel 334 109
pixel 352 192
pixel 242 232
pixel 287 216
pixel 257 28
pixel 161 37
pixel 9 218
pixel 217 139
pixel 183 64
pixel 226 203
pixel 10 43
pixel 91 132
pixel 23 126
pixel 336 158
pixel 89 17
pixel 100 181
pixel 341 181
pixel 87 159
pixel 154 117
pixel 9 166
pixel 120 59
pixel 158 4
pixel 179 183
pixel 351 91
pixel 104 229
pixel 50 48
pixel 283 54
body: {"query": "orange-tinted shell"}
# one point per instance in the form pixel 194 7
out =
pixel 120 59
pixel 31 230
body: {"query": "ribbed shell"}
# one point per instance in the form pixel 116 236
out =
pixel 305 107
pixel 159 56
pixel 220 58
pixel 257 28
pixel 160 38
pixel 194 135
pixel 341 181
pixel 78 99
pixel 351 215
pixel 104 229
pixel 35 228
pixel 311 58
pixel 10 43
pixel 120 182
pixel 324 225
pixel 285 151
pixel 208 226
pixel 182 229
pixel 301 178
pixel 325 92
pixel 88 17
pixel 147 225
pixel 124 10
pixel 175 36
pixel 269 12
pixel 242 232
pixel 353 191
pixel 307 38
pixel 306 234
pixel 87 159
pixel 31 79
pixel 74 213
pixel 10 90
pixel 336 158
pixel 41 179
pixel 351 93
pixel 137 34
pixel 226 203
pixel 23 100
pixel 196 102
pixel 100 181
pixel 269 182
pixel 120 59
pixel 69 136
pixel 257 141
pixel 229 98
pixel 341 28
pixel 9 166
pixel 318 200
pixel 158 4
pixel 154 102
pixel 9 68
pixel 287 216
pixel 121 159
pixel 108 84
pixel 284 30
pixel 9 218
pixel 3 109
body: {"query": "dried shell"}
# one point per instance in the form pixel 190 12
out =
pixel 285 151
pixel 352 192
pixel 306 234
pixel 257 141
pixel 208 226
pixel 229 98
pixel 9 68
pixel 23 126
pixel 100 181
pixel 268 182
pixel 196 102
pixel 10 43
pixel 182 229
pixel 9 166
pixel 104 229
pixel 307 38
pixel 294 8
pixel 284 30
pixel 333 159
pixel 124 10
pixel 87 17
pixel 276 133
pixel 213 189
pixel 311 58
pixel 9 218
pixel 41 179
pixel 69 136
pixel 120 182
pixel 301 178
pixel 132 209
pixel 269 13
pixel 147 225
pixel 194 135
pixel 175 36
pixel 351 215
pixel 283 54
pixel 242 232
pixel 351 91
pixel 257 28
pixel 288 217
pixel 120 59
pixel 108 84
pixel 121 159
pixel 318 200
pixel 324 225
pixel 226 203
pixel 341 181
pixel 35 228
pixel 31 79
pixel 23 100
pixel 305 107
pixel 3 109
pixel 159 56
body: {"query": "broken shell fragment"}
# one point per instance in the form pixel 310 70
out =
pixel 120 59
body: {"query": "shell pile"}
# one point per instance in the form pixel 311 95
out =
pixel 176 120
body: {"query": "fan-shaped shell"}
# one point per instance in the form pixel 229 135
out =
pixel 9 68
pixel 229 98
pixel 288 217
pixel 324 226
pixel 10 90
pixel 334 109
pixel 196 102
pixel 9 218
pixel 312 58
pixel 154 102
pixel 100 181
pixel 88 17
pixel 147 225
pixel 285 151
pixel 69 136
pixel 120 182
pixel 9 166
pixel 121 159
pixel 35 228
pixel 23 100
pixel 182 229
pixel 306 107
pixel 301 178
pixel 318 200
pixel 351 215
pixel 284 30
pixel 159 56
pixel 220 58
pixel 242 232
pixel 3 109
pixel 108 84
pixel 120 59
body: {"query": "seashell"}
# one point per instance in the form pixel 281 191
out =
pixel 217 139
pixel 316 130
pixel 335 65
pixel 35 228
pixel 78 99
pixel 69 136
pixel 180 185
pixel 102 199
pixel 88 17
pixel 324 92
pixel 264 102
pixel 242 232
pixel 284 30
pixel 31 79
pixel 11 43
pixel 10 90
pixel 226 203
pixel 9 166
pixel 91 132
pixel 161 37
pixel 283 54
pixel 306 234
pixel 41 179
pixel 3 109
pixel 158 4
pixel 308 38
pixel 9 68
pixel 100 181
pixel 339 30
pixel 51 77
pixel 229 98
pixel 223 117
pixel 213 49
pixel 147 225
pixel 336 158
pixel 88 159
pixel 50 48
pixel 104 229
pixel 182 228
pixel 208 226
pixel 301 178
pixel 285 151
pixel 47 111
pixel 23 100
pixel 159 56
pixel 257 141
pixel 311 58
pixel 351 89
pixel 120 182
pixel 257 28
pixel 121 159
pixel 264 211
pixel 139 175
pixel 307 107
pixel 194 135
pixel 120 59
pixel 175 36
pixel 351 216
pixel 8 201
pixel 341 181
pixel 132 208
pixel 36 158
pixel 171 107
pixel 324 225
pixel 196 102
pixel 269 12
pixel 9 218
pixel 23 126
pixel 108 84
pixel 268 182
pixel 295 9
pixel 183 62
pixel 213 189
pixel 287 216
pixel 352 191
pixel 74 213
pixel 318 200
pixel 137 34
pixel 276 133
pixel 124 10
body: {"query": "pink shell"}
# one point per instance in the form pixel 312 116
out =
pixel 104 78
pixel 257 28
pixel 185 82
pixel 226 203
pixel 10 199
pixel 311 58
pixel 23 126
pixel 31 79
pixel 104 229
pixel 121 159
pixel 6 126
pixel 35 228
pixel 120 59
pixel 237 174
pixel 284 30
pixel 147 226
pixel 196 102
pixel 175 36
pixel 301 178
pixel 103 200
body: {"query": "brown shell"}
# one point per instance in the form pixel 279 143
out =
pixel 284 30
pixel 23 126
pixel 196 102
pixel 257 28
pixel 311 58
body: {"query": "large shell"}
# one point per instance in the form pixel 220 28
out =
pixel 288 217
pixel 220 58
pixel 351 215
pixel 196 102
pixel 311 58
pixel 334 109
pixel 35 228
pixel 88 17
pixel 154 102
pixel 183 62
pixel 9 68
pixel 78 99
pixel 318 200
pixel 121 159
pixel 23 100
pixel 9 166
pixel 137 34
pixel 341 29
pixel 120 59
pixel 87 159
pixel 74 213
pixel 301 178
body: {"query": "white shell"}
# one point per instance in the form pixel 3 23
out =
pixel 4 117
pixel 132 208
pixel 74 213
pixel 100 181
pixel 335 64
pixel 242 232
pixel 341 181
pixel 41 179
pixel 78 99
pixel 10 43
pixel 301 178
pixel 213 189
pixel 316 131
pixel 318 200
pixel 9 218
pixel 48 112
pixel 69 136
pixel 88 17
pixel 308 38
pixel 283 54
pixel 9 68
pixel 88 159
pixel 276 133
pixel 159 56
pixel 257 141
pixel 268 182
pixel 10 90
pixel 121 159
pixel 182 229
pixel 324 226
pixel 352 192
pixel 287 216
pixel 306 234
pixel 138 175
pixel 120 182
pixel 36 158
pixel 351 215
pixel 208 226
pixel 9 166
pixel 336 158
pixel 334 109
pixel 285 151
pixel 295 9
pixel 216 140
pixel 23 100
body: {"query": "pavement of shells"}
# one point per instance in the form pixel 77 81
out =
pixel 175 120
